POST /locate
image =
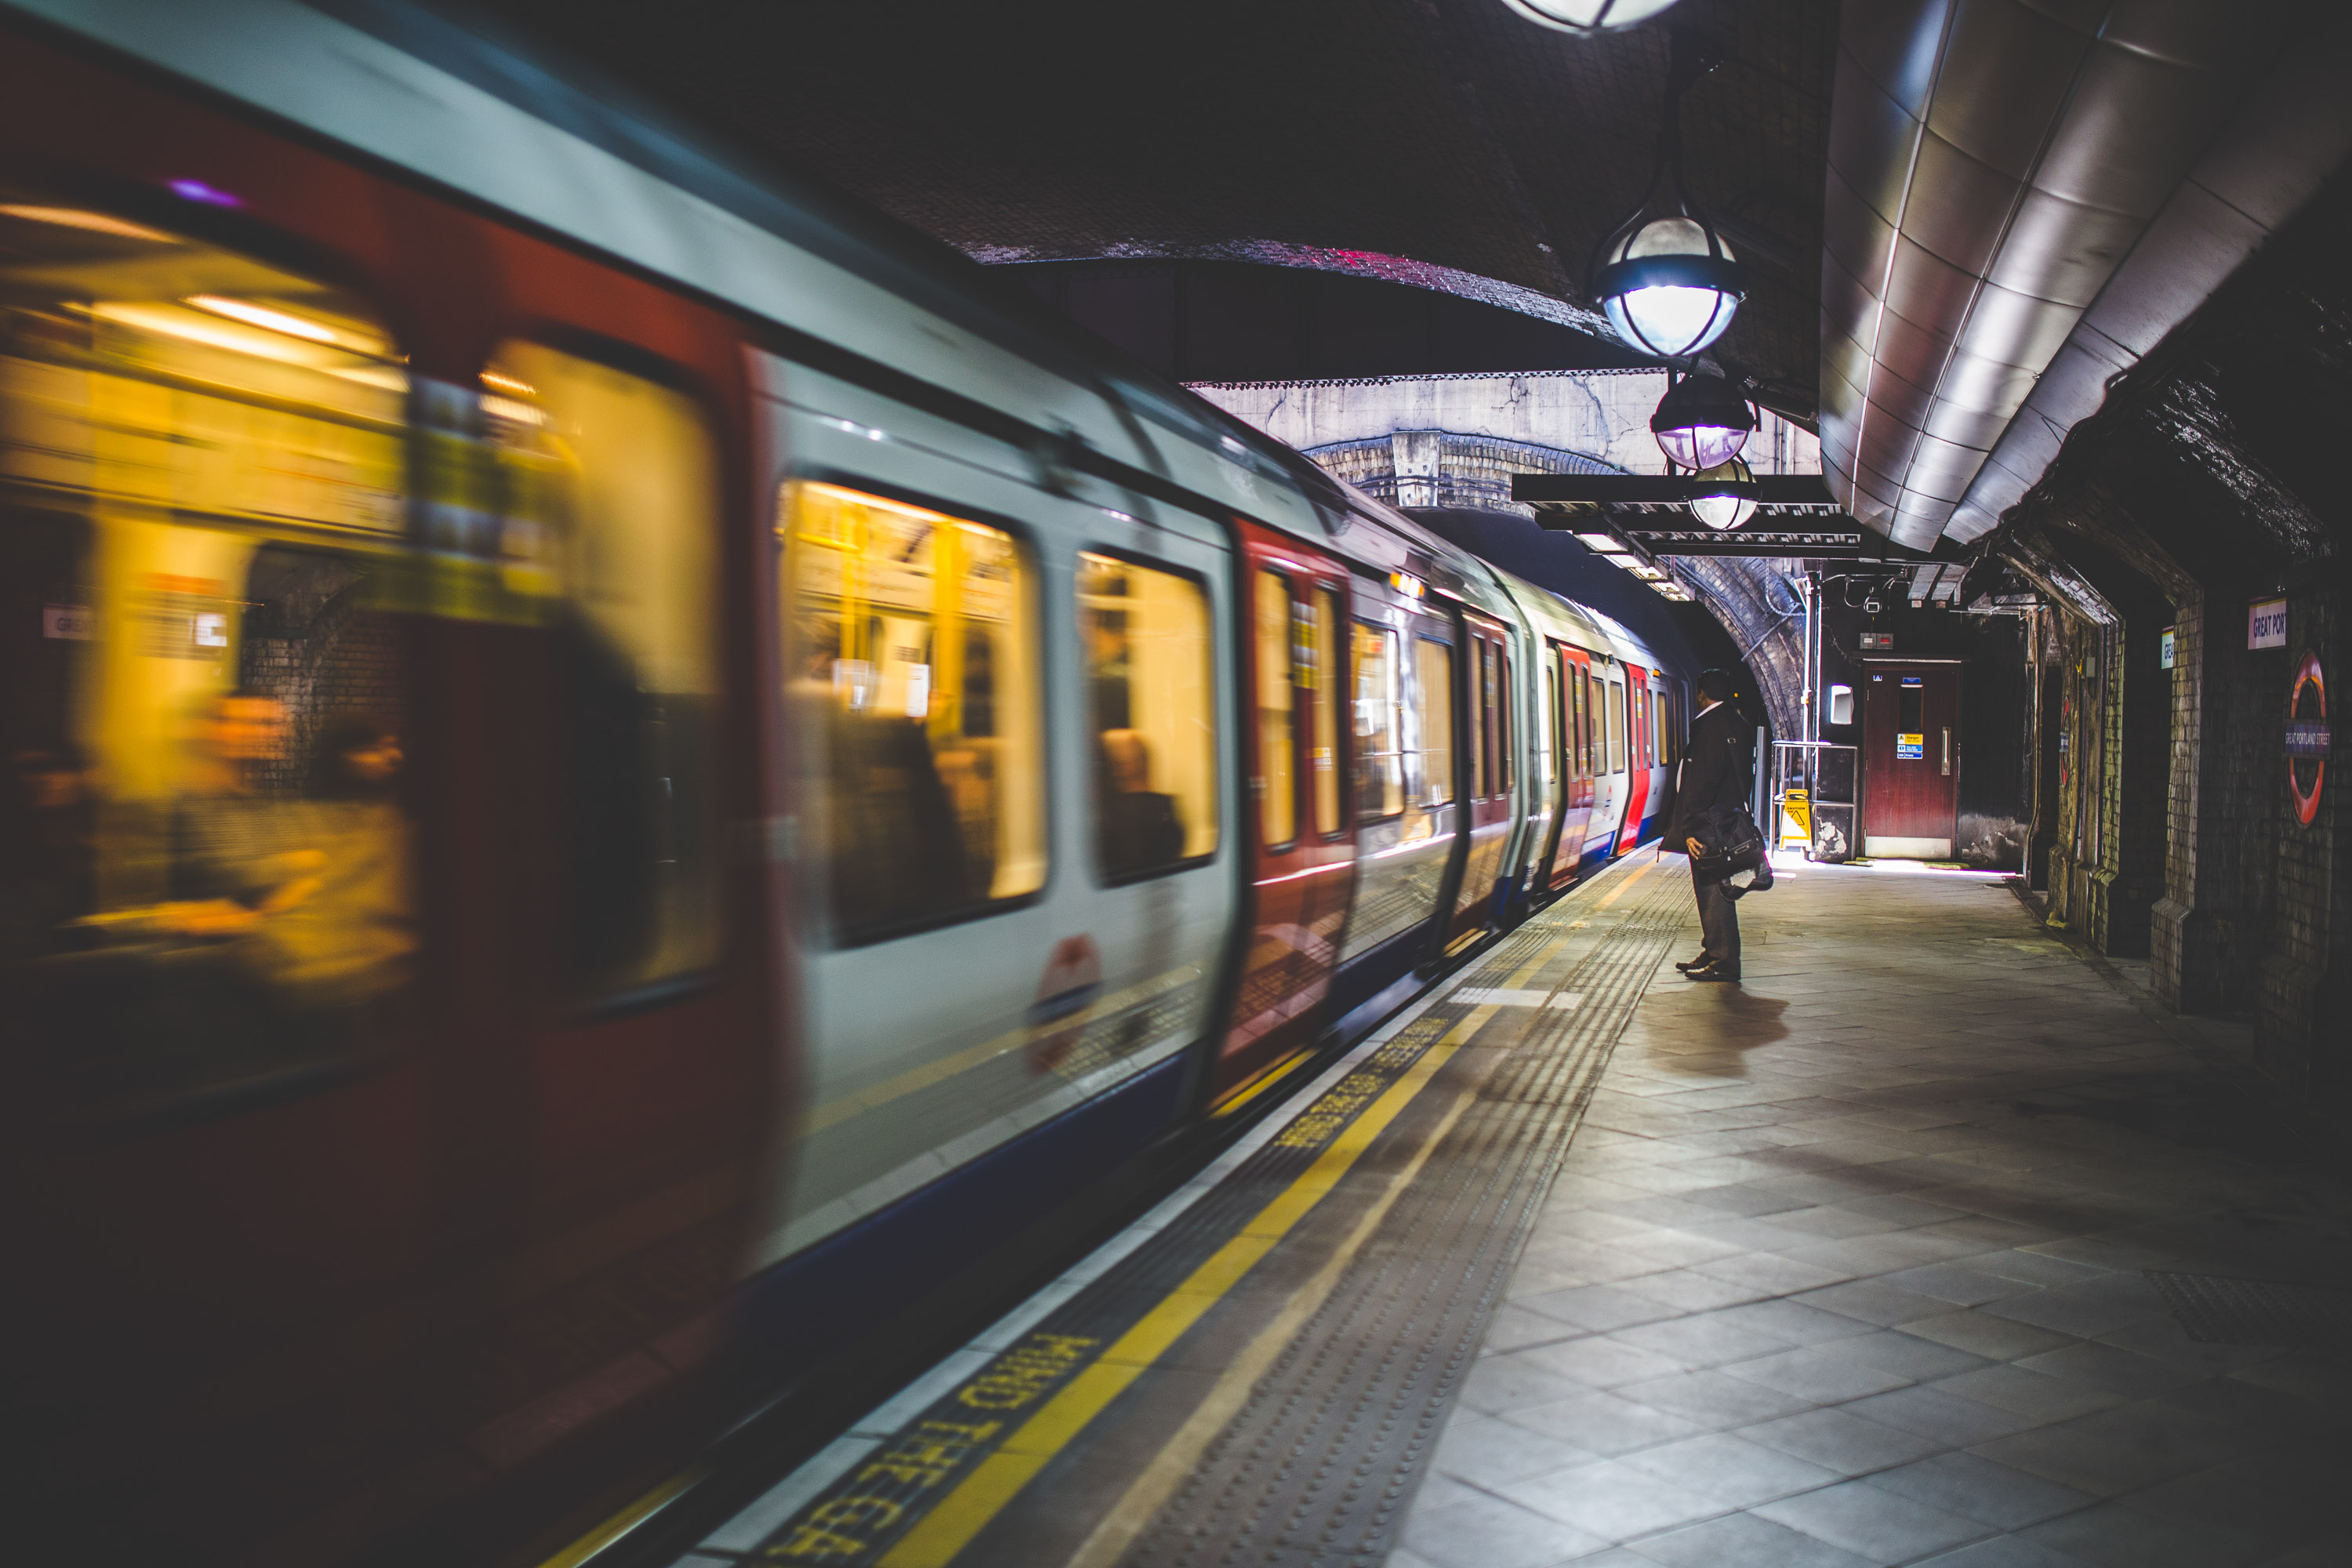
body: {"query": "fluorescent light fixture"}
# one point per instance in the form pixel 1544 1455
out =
pixel 1601 543
pixel 262 316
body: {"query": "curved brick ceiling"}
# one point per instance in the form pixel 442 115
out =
pixel 1450 143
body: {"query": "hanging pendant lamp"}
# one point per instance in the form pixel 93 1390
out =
pixel 1588 16
pixel 1701 422
pixel 1664 278
pixel 1726 495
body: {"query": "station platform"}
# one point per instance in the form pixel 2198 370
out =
pixel 1931 1242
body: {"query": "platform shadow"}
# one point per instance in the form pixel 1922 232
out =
pixel 1708 1020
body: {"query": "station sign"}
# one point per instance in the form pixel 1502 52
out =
pixel 2164 649
pixel 2266 623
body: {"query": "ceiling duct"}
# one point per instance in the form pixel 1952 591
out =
pixel 1991 163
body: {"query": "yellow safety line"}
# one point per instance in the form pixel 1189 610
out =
pixel 621 1524
pixel 983 1494
pixel 1618 892
pixel 1257 1083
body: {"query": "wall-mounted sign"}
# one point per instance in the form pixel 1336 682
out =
pixel 2308 738
pixel 2266 623
pixel 70 622
pixel 2164 651
pixel 1910 747
pixel 1879 642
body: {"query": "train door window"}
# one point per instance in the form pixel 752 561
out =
pixel 1329 618
pixel 627 478
pixel 1558 715
pixel 1503 720
pixel 917 709
pixel 1588 722
pixel 1147 639
pixel 1432 674
pixel 1478 715
pixel 1378 761
pixel 1613 710
pixel 1579 759
pixel 1278 798
pixel 208 892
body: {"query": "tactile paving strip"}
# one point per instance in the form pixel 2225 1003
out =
pixel 1320 1464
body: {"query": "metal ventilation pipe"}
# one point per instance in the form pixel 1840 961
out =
pixel 1990 163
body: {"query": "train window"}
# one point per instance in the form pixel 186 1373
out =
pixel 628 480
pixel 1147 640
pixel 1277 799
pixel 1379 763
pixel 1432 678
pixel 1330 617
pixel 208 891
pixel 1614 711
pixel 916 708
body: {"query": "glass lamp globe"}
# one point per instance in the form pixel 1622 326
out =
pixel 1665 289
pixel 1736 505
pixel 1701 423
pixel 1588 15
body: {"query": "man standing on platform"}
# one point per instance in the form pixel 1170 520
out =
pixel 1715 775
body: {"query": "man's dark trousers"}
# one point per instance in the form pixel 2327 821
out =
pixel 1719 918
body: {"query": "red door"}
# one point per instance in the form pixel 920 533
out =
pixel 1295 608
pixel 1637 756
pixel 1911 761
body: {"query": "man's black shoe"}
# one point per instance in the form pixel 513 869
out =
pixel 1716 972
pixel 1701 961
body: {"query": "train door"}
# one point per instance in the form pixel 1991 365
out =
pixel 422 1017
pixel 1610 787
pixel 1401 658
pixel 1487 770
pixel 1573 666
pixel 1007 749
pixel 1910 761
pixel 1544 791
pixel 1301 848
pixel 1637 756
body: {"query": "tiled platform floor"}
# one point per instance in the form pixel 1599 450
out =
pixel 1845 1268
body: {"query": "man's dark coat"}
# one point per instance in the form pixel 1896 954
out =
pixel 1716 771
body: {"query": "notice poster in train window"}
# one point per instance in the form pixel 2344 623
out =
pixel 1910 733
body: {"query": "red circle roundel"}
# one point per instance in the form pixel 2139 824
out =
pixel 2307 738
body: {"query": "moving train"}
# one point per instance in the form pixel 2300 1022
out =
pixel 628 787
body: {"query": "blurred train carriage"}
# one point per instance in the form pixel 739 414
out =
pixel 628 787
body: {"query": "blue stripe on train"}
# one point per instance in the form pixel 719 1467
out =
pixel 853 1281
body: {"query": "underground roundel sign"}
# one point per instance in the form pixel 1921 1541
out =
pixel 2307 738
